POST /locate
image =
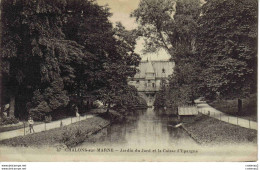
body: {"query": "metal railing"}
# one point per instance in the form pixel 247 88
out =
pixel 235 120
pixel 54 124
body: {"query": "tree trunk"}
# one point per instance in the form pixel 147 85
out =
pixel 12 106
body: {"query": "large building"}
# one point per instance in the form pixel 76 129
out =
pixel 149 77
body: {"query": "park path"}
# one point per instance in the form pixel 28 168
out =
pixel 43 127
pixel 206 109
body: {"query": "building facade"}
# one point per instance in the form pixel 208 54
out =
pixel 149 78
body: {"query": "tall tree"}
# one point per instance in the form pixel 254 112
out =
pixel 168 24
pixel 105 72
pixel 172 25
pixel 227 40
pixel 35 53
pixel 119 68
pixel 53 50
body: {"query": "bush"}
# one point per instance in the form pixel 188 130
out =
pixel 48 119
pixel 48 101
pixel 72 137
pixel 36 115
pixel 9 120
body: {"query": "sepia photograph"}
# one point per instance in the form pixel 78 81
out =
pixel 128 81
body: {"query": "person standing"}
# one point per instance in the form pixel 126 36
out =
pixel 77 111
pixel 31 122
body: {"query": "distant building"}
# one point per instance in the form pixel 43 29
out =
pixel 149 77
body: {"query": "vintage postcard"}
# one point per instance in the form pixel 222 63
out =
pixel 121 80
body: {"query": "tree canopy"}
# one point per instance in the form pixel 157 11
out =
pixel 53 51
pixel 213 45
pixel 227 47
pixel 172 25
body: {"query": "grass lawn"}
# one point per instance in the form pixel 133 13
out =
pixel 207 130
pixel 70 135
pixel 249 107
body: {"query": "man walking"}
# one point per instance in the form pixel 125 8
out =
pixel 31 122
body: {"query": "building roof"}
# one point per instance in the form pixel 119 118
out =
pixel 149 67
pixel 160 68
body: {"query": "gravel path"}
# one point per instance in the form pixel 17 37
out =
pixel 206 109
pixel 42 127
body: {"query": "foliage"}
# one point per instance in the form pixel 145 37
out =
pixel 172 25
pixel 249 107
pixel 104 73
pixel 168 24
pixel 48 119
pixel 227 40
pixel 156 19
pixel 72 136
pixel 35 52
pixel 8 120
pixel 49 100
pixel 212 44
pixel 119 68
pixel 129 99
pixel 185 81
pixel 55 51
pixel 160 98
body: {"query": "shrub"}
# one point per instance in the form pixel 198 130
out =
pixel 49 100
pixel 48 119
pixel 9 120
pixel 72 137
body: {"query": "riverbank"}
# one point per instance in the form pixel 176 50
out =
pixel 249 107
pixel 209 131
pixel 69 135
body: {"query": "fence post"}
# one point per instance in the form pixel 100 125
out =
pixel 24 128
pixel 61 124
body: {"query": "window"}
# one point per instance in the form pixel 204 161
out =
pixel 148 81
pixel 153 85
pixel 163 70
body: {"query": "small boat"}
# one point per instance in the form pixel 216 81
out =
pixel 178 125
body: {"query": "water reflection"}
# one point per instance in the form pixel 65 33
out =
pixel 144 129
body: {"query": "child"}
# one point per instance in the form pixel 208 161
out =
pixel 31 122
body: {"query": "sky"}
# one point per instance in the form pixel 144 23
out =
pixel 121 10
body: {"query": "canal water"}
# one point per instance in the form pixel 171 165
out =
pixel 144 128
